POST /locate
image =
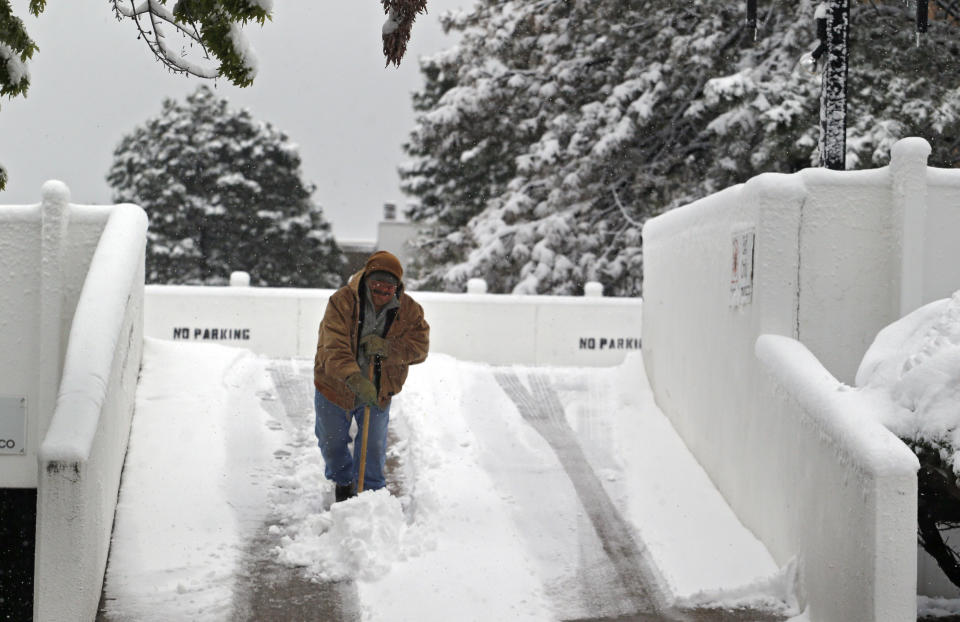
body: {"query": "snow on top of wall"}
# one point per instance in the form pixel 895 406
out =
pixel 78 213
pixel 828 177
pixel 913 369
pixel 912 147
pixel 256 292
pixel 90 213
pixel 531 299
pixel 20 213
pixel 55 191
pixel 943 176
pixel 287 292
pixel 689 217
pixel 796 184
pixel 95 335
pixel 843 415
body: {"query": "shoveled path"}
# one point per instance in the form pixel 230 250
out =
pixel 267 590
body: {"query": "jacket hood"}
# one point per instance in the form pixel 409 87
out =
pixel 388 262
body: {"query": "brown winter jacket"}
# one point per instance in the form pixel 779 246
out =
pixel 407 332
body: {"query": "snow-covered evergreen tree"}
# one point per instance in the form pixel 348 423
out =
pixel 554 128
pixel 223 192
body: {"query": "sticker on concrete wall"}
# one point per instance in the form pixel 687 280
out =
pixel 13 425
pixel 211 334
pixel 609 343
pixel 741 267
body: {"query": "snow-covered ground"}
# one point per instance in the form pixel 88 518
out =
pixel 500 506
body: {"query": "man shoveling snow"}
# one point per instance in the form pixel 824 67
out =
pixel 370 334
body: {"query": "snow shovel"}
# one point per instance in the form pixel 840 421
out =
pixel 363 435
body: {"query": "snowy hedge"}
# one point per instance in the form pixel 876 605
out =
pixel 912 370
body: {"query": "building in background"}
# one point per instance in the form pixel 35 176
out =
pixel 392 235
pixel 356 253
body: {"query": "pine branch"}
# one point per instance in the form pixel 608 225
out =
pixel 396 30
pixel 16 48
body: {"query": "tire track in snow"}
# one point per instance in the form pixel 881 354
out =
pixel 541 408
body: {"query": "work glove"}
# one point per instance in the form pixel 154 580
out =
pixel 365 391
pixel 374 345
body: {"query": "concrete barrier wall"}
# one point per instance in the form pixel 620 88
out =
pixel 73 275
pixel 853 481
pixel 81 456
pixel 875 245
pixel 46 250
pixel 698 340
pixel 20 229
pixel 834 260
pixel 848 287
pixel 498 329
pixel 941 277
pixel 941 261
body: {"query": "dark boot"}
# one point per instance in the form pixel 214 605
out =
pixel 342 493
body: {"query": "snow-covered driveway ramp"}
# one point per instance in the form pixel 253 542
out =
pixel 515 493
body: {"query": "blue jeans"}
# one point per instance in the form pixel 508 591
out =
pixel 333 435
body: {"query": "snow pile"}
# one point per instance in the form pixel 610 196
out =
pixel 775 594
pixel 937 607
pixel 913 368
pixel 447 528
pixel 359 538
pixel 464 555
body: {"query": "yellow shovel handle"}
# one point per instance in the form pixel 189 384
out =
pixel 363 436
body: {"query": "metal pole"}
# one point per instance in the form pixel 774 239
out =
pixel 833 96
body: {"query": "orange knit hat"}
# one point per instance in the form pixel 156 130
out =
pixel 382 260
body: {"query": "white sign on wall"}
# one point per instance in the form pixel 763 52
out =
pixel 741 267
pixel 13 425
